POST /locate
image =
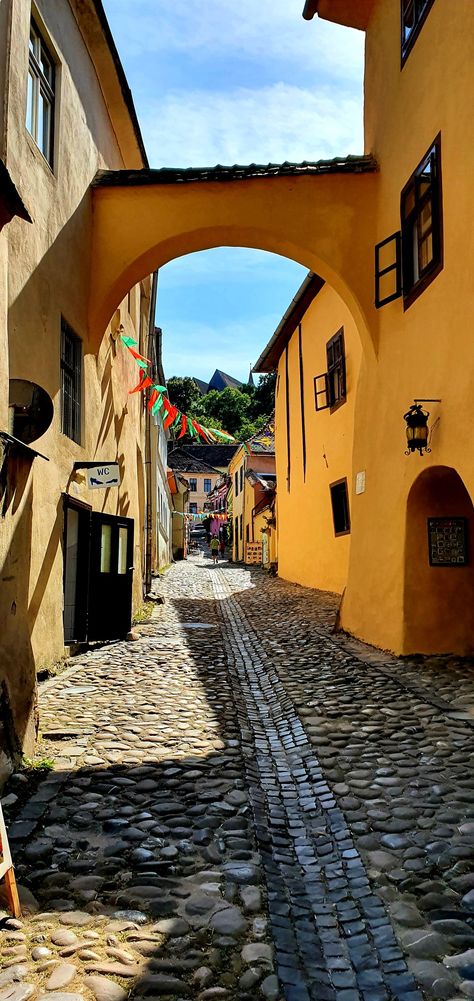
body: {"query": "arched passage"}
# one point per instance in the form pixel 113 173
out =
pixel 324 220
pixel 438 599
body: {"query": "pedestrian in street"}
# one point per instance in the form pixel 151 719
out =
pixel 215 549
pixel 222 541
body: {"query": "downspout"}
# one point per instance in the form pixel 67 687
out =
pixel 151 352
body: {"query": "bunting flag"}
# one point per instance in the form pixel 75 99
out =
pixel 158 401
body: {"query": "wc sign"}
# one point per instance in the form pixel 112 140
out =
pixel 102 477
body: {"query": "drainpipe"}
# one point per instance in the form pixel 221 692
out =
pixel 151 353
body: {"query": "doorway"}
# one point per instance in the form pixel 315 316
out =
pixel 98 574
pixel 439 565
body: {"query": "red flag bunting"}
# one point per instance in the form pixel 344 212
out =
pixel 184 424
pixel 143 384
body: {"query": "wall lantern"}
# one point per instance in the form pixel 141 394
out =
pixel 417 429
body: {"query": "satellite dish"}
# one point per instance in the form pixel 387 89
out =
pixel 30 410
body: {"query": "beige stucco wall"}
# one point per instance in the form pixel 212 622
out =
pixel 48 277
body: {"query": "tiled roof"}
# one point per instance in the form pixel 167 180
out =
pixel 213 455
pixel 236 172
pixel 183 462
pixel 201 385
pixel 220 380
pixel 263 441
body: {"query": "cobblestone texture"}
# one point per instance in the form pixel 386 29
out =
pixel 242 806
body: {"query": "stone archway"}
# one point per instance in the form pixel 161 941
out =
pixel 438 600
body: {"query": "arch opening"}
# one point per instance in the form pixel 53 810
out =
pixel 439 580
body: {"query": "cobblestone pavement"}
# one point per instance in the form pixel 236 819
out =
pixel 245 806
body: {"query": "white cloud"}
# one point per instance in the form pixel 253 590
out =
pixel 263 30
pixel 275 123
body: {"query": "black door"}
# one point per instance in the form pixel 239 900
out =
pixel 110 577
pixel 76 570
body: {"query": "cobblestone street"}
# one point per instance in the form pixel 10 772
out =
pixel 244 805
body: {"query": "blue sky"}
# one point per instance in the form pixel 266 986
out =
pixel 217 81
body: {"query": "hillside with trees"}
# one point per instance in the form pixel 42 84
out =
pixel 240 412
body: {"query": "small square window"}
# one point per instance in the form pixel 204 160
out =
pixel 40 94
pixel 421 225
pixel 340 507
pixel 192 485
pixel 71 382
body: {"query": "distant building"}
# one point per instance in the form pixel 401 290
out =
pixel 247 492
pixel 200 475
pixel 219 381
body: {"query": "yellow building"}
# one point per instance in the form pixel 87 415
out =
pixel 411 575
pixel 72 441
pixel 389 233
pixel 316 352
pixel 246 468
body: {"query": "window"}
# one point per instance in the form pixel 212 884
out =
pixel 236 480
pixel 193 507
pixel 413 13
pixel 40 94
pixel 330 386
pixel 71 364
pixel 193 485
pixel 407 261
pixel 207 486
pixel 421 216
pixel 340 507
pixel 236 536
pixel 241 478
pixel 240 526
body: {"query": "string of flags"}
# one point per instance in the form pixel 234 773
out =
pixel 158 401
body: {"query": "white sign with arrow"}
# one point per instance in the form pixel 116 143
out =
pixel 102 477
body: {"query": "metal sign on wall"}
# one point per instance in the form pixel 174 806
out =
pixel 103 476
pixel 448 542
pixel 253 552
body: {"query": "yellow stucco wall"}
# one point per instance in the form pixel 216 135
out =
pixel 235 465
pixel 426 350
pixel 309 553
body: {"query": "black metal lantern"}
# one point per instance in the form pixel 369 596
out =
pixel 417 429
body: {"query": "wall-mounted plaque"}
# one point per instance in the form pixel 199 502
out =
pixel 253 552
pixel 447 542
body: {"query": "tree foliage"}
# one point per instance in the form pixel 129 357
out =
pixel 183 392
pixel 240 412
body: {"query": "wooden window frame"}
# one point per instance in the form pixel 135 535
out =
pixel 406 45
pixel 71 415
pixel 413 288
pixel 332 403
pixel 42 88
pixel 207 480
pixel 338 483
pixel 193 490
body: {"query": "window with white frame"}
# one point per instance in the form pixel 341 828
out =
pixel 40 94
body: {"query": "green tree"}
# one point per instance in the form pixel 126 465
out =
pixel 263 400
pixel 183 393
pixel 226 409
